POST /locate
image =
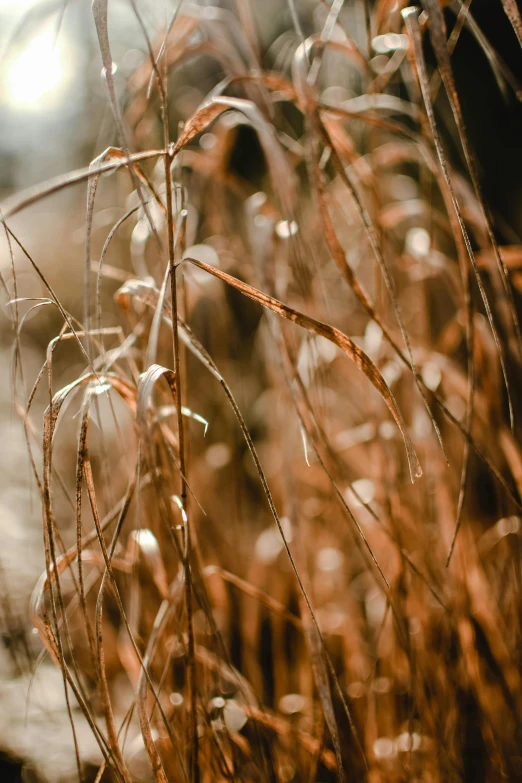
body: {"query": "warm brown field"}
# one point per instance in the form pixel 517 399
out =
pixel 272 403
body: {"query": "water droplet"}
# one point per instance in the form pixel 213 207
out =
pixel 406 742
pixel 287 528
pixel 207 255
pixel 257 200
pixel 508 525
pixel 356 690
pixel 146 540
pixel 218 455
pixel 178 502
pixel 176 699
pixel 268 545
pixel 326 349
pixel 260 221
pixel 286 228
pixel 218 702
pixel 372 339
pixel 207 141
pixel 353 437
pixel 384 748
pixel 114 68
pixel 234 716
pixel 391 372
pixel 101 387
pixel 417 242
pixel 431 375
pixel 329 559
pixel 365 489
pixel 387 430
pixel 292 703
pixel 389 42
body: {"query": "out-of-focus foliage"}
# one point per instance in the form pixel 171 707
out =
pixel 265 354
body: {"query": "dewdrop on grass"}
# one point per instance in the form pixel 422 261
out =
pixel 218 455
pixel 360 492
pixel 384 748
pixel 146 540
pixel 286 229
pixel 207 255
pixel 292 703
pixel 114 68
pixel 234 716
pixel 431 375
pixel 329 559
pixel 178 502
pixel 417 242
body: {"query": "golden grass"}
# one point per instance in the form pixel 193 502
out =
pixel 289 554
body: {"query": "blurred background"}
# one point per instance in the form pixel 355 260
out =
pixel 55 117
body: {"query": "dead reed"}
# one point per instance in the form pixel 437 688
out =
pixel 283 553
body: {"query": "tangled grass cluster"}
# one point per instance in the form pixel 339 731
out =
pixel 283 553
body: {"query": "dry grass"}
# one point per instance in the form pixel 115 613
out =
pixel 282 553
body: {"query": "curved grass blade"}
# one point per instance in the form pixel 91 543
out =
pixel 437 29
pixel 335 336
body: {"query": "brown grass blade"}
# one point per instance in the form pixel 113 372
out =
pixel 438 37
pixel 513 14
pixel 342 341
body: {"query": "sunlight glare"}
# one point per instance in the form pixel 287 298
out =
pixel 37 76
